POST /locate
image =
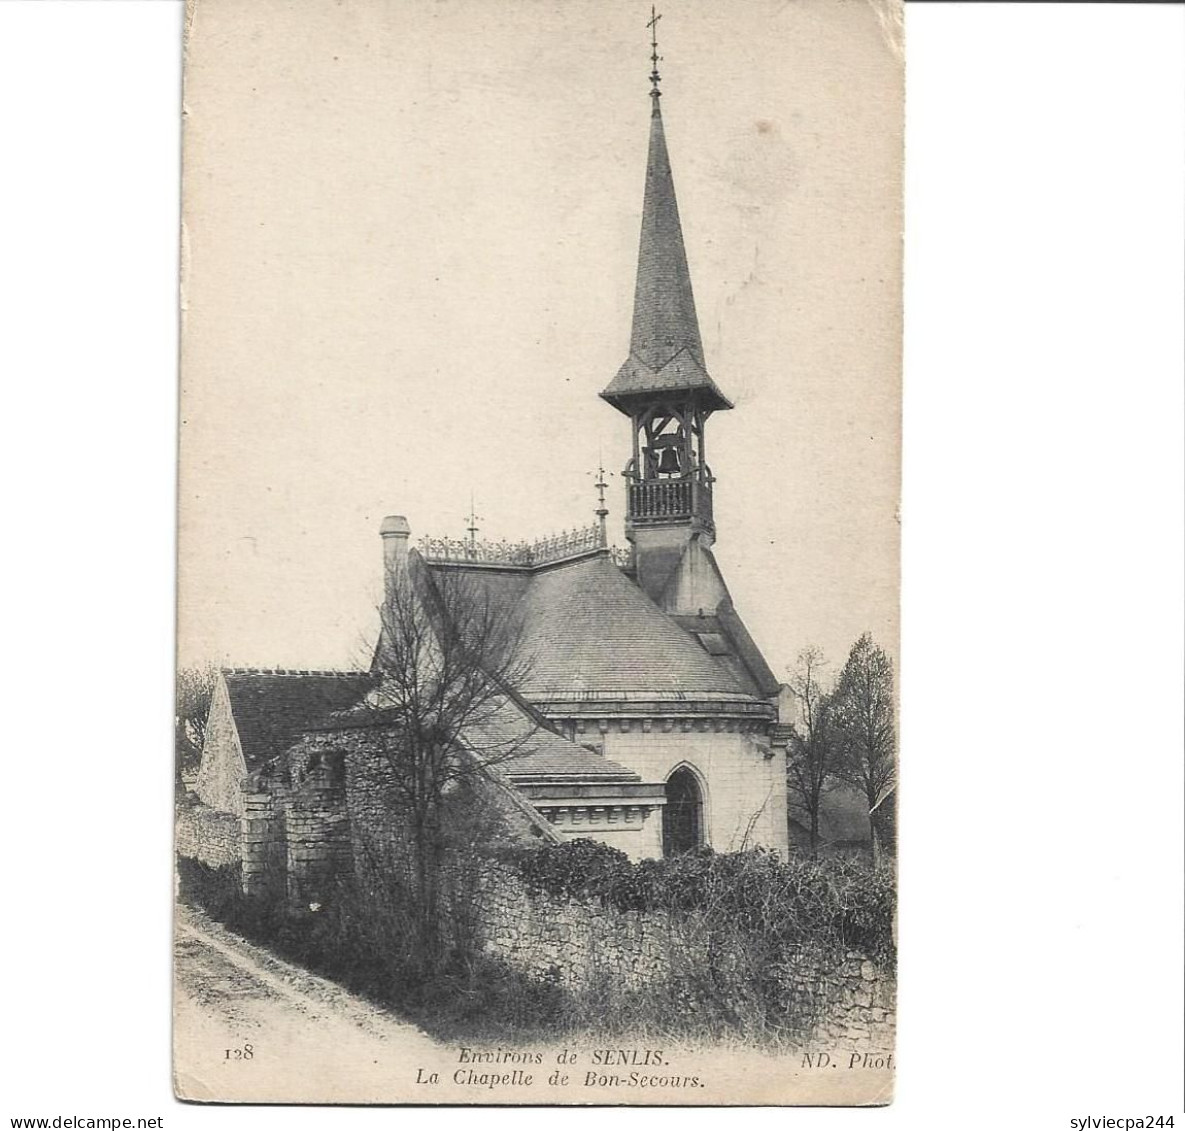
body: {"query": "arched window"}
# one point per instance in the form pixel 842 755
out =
pixel 683 814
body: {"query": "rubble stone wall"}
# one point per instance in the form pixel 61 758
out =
pixel 845 1001
pixel 208 835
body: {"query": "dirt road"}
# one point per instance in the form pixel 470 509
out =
pixel 250 1027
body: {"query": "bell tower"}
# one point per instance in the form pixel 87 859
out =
pixel 664 386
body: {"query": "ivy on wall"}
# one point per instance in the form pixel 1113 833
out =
pixel 820 903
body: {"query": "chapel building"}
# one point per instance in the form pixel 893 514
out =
pixel 648 715
pixel 642 656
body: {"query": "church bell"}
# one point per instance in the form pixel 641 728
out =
pixel 668 461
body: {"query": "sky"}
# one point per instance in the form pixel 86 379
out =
pixel 409 241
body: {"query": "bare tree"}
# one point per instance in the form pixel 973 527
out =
pixel 812 751
pixel 195 688
pixel 444 710
pixel 864 724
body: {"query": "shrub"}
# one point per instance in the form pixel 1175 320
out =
pixel 215 890
pixel 823 903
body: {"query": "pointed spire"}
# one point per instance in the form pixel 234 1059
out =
pixel 665 347
pixel 664 306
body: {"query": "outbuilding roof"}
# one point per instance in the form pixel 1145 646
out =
pixel 272 707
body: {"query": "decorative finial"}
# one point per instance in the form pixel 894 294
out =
pixel 473 519
pixel 602 511
pixel 655 57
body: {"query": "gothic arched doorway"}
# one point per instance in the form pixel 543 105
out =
pixel 683 814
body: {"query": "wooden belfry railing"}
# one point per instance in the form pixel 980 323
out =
pixel 658 500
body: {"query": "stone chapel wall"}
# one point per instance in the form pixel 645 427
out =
pixel 745 789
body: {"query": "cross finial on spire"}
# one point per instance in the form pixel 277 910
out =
pixel 655 57
pixel 602 511
pixel 473 519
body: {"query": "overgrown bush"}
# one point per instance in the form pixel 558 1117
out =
pixel 821 902
pixel 219 892
pixel 216 890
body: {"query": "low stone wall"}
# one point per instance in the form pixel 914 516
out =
pixel 264 851
pixel 208 835
pixel 845 1001
pixel 317 831
pixel 861 1004
pixel 567 941
pixel 296 828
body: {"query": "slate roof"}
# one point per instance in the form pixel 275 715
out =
pixel 502 589
pixel 273 707
pixel 710 634
pixel 541 752
pixel 683 373
pixel 588 632
pixel 724 636
pixel 666 352
pixel 588 628
pixel 512 736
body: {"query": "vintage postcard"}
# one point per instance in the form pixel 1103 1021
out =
pixel 538 553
